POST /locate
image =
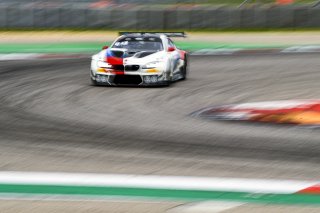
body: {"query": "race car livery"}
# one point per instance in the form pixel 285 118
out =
pixel 144 59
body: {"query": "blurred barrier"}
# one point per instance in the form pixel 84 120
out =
pixel 135 18
pixel 285 1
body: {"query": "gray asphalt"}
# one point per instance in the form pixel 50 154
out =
pixel 52 120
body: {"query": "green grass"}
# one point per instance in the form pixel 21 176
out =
pixel 93 47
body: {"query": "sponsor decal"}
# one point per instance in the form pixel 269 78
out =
pixel 114 57
pixel 300 112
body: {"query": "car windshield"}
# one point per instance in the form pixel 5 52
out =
pixel 139 44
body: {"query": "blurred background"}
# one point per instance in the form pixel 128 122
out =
pixel 160 15
pixel 241 51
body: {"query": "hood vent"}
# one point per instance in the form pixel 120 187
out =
pixel 143 54
pixel 117 53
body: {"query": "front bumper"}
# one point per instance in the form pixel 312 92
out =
pixel 129 80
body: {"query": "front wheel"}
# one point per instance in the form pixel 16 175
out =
pixel 93 82
pixel 185 69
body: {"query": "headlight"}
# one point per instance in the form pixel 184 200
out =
pixel 153 64
pixel 103 64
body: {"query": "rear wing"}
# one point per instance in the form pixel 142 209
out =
pixel 168 34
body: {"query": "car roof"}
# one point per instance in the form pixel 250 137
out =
pixel 143 36
pixel 159 34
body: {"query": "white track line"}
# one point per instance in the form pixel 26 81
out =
pixel 78 198
pixel 302 49
pixel 218 51
pixel 202 207
pixel 156 182
pixel 19 56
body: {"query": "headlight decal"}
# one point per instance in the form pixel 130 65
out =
pixel 102 64
pixel 152 70
pixel 152 65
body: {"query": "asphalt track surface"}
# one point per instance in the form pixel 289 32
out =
pixel 52 119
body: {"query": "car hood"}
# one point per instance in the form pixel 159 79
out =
pixel 144 57
pixel 117 56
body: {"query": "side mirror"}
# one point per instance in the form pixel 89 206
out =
pixel 171 49
pixel 105 47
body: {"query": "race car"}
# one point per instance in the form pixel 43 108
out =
pixel 140 58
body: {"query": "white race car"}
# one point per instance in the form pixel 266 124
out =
pixel 144 59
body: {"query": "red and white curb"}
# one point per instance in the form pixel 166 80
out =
pixel 161 182
pixel 298 112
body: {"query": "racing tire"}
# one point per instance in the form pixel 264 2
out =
pixel 166 83
pixel 185 69
pixel 93 82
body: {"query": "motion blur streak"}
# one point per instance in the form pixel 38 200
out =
pixel 52 120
